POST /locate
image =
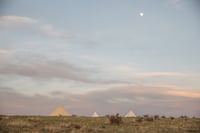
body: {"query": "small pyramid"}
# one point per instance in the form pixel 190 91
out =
pixel 130 114
pixel 59 111
pixel 95 114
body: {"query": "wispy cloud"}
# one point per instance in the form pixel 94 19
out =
pixel 5 52
pixel 32 25
pixel 158 74
pixel 141 99
pixel 183 93
pixel 176 3
pixel 120 100
pixel 40 67
pixel 7 20
pixel 132 72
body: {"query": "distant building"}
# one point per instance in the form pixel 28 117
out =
pixel 95 114
pixel 59 111
pixel 130 114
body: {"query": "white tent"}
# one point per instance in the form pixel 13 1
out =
pixel 130 114
pixel 59 111
pixel 95 114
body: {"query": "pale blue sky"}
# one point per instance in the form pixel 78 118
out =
pixel 165 35
pixel 76 46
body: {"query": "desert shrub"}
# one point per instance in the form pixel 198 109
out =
pixel 156 117
pixel 184 117
pixel 149 119
pixel 90 130
pixel 103 126
pixel 19 123
pixel 74 115
pixel 75 126
pixel 115 119
pixel 146 116
pixel 172 118
pixel 139 119
pixel 163 116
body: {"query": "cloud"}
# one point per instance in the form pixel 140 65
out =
pixel 31 25
pixel 4 52
pixel 133 72
pixel 89 58
pixel 120 100
pixel 147 100
pixel 181 93
pixel 138 75
pixel 176 3
pixel 17 20
pixel 158 74
pixel 40 67
pixel 141 99
pixel 49 30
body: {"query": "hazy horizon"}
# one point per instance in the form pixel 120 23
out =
pixel 107 56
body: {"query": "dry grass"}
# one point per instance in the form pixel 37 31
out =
pixel 39 124
pixel 19 123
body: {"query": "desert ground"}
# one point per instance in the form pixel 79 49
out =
pixel 106 124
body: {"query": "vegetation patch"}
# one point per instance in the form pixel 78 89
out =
pixel 115 119
pixel 108 124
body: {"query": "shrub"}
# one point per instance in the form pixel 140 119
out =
pixel 139 119
pixel 74 115
pixel 149 119
pixel 184 117
pixel 163 116
pixel 156 117
pixel 115 119
pixel 103 126
pixel 172 118
pixel 75 126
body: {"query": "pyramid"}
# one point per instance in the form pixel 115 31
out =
pixel 95 114
pixel 59 111
pixel 130 114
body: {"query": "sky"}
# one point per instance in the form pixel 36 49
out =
pixel 100 56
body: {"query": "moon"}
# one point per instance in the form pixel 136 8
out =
pixel 141 14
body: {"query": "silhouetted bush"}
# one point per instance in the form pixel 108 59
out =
pixel 149 119
pixel 146 116
pixel 156 117
pixel 163 116
pixel 140 119
pixel 75 126
pixel 115 119
pixel 184 117
pixel 171 118
pixel 103 126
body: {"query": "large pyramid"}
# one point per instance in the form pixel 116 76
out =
pixel 130 114
pixel 95 114
pixel 59 111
